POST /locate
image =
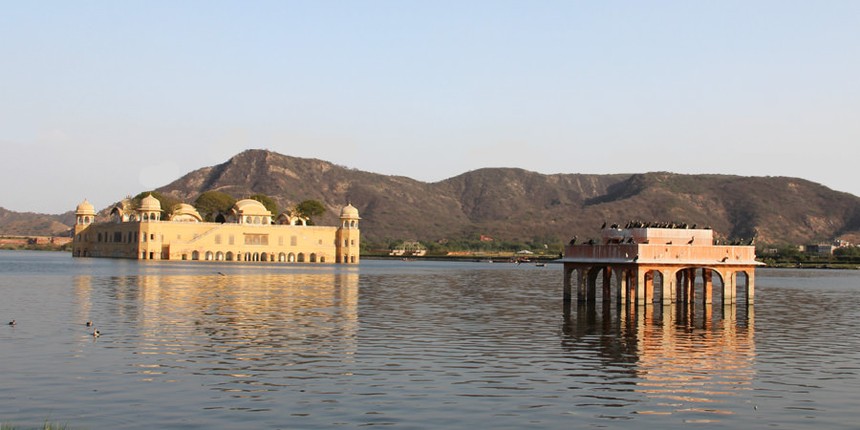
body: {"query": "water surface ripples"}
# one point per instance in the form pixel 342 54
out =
pixel 411 345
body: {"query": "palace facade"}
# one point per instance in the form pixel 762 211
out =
pixel 246 233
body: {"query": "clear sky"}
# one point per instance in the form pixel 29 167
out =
pixel 102 99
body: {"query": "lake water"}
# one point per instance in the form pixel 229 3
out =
pixel 411 345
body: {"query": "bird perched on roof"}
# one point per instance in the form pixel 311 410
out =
pixel 573 241
pixel 690 242
pixel 603 226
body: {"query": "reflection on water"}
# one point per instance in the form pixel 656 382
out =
pixel 410 345
pixel 683 361
pixel 239 326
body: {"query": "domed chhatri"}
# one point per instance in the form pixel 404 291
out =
pixel 247 232
pixel 150 203
pixel 85 208
pixel 349 211
pixel 85 213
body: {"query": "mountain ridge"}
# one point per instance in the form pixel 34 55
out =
pixel 520 205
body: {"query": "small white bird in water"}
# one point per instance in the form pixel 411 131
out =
pixel 96 333
pixel 12 322
pixel 89 323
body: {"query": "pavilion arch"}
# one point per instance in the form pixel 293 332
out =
pixel 291 258
pixel 599 278
pixel 743 292
pixel 301 257
pixel 654 286
pixel 210 256
pixel 282 257
pixel 195 255
pixel 264 257
pixel 219 256
pixel 701 284
pixel 228 256
pixel 313 257
pixel 248 256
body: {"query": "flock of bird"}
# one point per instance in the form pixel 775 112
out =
pixel 95 332
pixel 641 224
pixel 656 224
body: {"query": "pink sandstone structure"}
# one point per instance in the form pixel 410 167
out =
pixel 659 265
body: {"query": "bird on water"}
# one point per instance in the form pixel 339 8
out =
pixel 96 333
pixel 89 323
pixel 12 322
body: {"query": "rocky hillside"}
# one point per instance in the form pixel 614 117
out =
pixel 514 204
pixel 33 224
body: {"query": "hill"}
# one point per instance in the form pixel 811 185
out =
pixel 34 224
pixel 519 205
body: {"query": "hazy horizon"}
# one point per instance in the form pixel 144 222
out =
pixel 101 100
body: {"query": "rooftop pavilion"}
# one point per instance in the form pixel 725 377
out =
pixel 664 264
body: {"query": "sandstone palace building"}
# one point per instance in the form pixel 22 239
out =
pixel 248 233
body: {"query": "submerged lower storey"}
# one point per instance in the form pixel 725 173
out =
pixel 646 284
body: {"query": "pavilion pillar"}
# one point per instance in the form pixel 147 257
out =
pixel 729 289
pixel 607 284
pixel 622 287
pixel 582 283
pixel 707 281
pixel 680 287
pixel 641 298
pixel 591 289
pixel 567 287
pixel 668 295
pixel 648 281
pixel 688 290
pixel 691 279
pixel 751 287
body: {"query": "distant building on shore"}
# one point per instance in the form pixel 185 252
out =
pixel 248 234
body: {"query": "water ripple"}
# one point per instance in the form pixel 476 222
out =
pixel 415 346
